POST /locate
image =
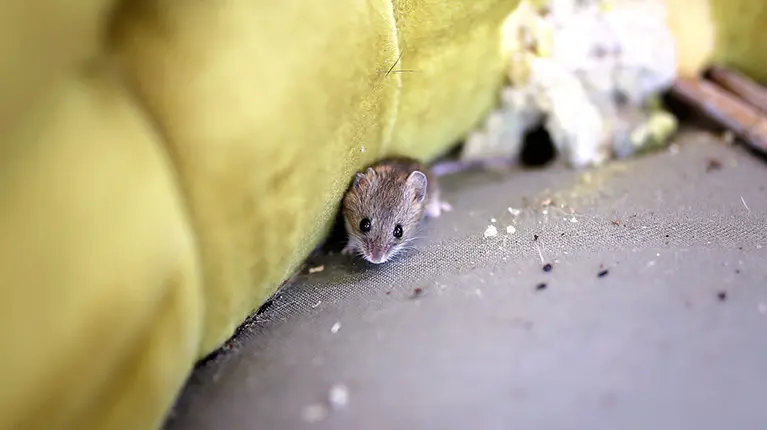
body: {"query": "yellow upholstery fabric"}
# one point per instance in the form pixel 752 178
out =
pixel 166 164
pixel 729 32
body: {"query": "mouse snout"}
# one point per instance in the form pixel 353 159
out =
pixel 377 254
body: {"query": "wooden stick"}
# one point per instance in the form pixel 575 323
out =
pixel 741 85
pixel 725 109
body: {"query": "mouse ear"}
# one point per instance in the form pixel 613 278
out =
pixel 358 179
pixel 417 182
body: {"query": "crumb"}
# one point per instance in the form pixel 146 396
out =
pixel 728 137
pixel 713 164
pixel 314 412
pixel 603 273
pixel 547 267
pixel 541 286
pixel 535 237
pixel 335 328
pixel 722 295
pixel 511 229
pixel 338 396
pixel 492 219
pixel 417 292
pixel 316 269
pixel 491 231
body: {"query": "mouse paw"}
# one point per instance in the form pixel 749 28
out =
pixel 348 250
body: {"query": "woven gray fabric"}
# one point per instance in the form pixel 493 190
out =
pixel 459 335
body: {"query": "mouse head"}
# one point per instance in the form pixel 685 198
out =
pixel 382 210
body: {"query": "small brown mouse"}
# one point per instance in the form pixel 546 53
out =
pixel 385 204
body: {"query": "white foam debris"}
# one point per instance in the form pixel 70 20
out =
pixel 491 231
pixel 338 396
pixel 514 212
pixel 511 229
pixel 314 412
pixel 335 328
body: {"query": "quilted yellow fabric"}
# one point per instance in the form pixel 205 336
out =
pixel 166 164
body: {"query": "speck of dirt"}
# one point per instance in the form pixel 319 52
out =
pixel 562 235
pixel 547 267
pixel 617 222
pixel 417 292
pixel 535 237
pixel 666 235
pixel 541 286
pixel 603 273
pixel 388 293
pixel 713 164
pixel 722 296
pixel 737 271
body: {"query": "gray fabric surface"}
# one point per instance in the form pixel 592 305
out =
pixel 651 345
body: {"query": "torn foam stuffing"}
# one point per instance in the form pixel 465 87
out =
pixel 590 72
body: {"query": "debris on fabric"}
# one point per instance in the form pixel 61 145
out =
pixel 728 137
pixel 314 413
pixel 722 296
pixel 744 203
pixel 541 286
pixel 491 231
pixel 514 212
pixel 713 164
pixel 338 396
pixel 335 328
pixel 417 293
pixel 535 237
pixel 319 302
pixel 510 229
pixel 603 273
pixel 317 269
pixel 591 72
pixel 492 220
pixel 547 267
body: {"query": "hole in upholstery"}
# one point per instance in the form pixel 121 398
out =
pixel 537 148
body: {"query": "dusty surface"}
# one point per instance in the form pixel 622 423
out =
pixel 653 313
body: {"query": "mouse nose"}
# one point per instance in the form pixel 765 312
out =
pixel 376 255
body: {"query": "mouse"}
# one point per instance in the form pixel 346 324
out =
pixel 384 205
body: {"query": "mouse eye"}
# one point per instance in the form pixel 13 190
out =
pixel 365 225
pixel 398 231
